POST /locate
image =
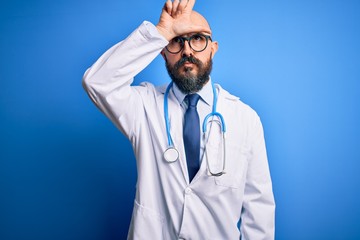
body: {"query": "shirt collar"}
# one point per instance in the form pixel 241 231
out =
pixel 206 93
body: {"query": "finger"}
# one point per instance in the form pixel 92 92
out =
pixel 168 7
pixel 189 5
pixel 182 5
pixel 175 5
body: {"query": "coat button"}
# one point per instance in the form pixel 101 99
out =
pixel 188 190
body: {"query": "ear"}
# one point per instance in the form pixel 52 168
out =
pixel 214 48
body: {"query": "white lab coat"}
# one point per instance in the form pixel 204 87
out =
pixel 166 205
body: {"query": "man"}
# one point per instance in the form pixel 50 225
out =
pixel 207 186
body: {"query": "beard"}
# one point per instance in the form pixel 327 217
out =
pixel 185 79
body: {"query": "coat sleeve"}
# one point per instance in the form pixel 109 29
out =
pixel 258 212
pixel 108 81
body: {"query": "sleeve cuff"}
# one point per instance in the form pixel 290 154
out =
pixel 149 31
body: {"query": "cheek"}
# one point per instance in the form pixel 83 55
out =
pixel 205 59
pixel 171 59
pixel 205 56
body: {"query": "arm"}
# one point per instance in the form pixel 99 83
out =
pixel 258 214
pixel 108 80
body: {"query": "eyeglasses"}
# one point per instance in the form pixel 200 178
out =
pixel 197 42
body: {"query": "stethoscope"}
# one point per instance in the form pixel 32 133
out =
pixel 171 154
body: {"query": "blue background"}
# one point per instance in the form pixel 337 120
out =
pixel 67 173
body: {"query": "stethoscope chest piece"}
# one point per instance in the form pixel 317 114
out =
pixel 171 154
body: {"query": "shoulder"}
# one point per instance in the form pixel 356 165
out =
pixel 149 91
pixel 148 87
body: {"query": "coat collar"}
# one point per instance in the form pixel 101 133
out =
pixel 222 92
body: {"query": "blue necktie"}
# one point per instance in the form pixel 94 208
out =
pixel 191 134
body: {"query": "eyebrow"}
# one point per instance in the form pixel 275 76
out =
pixel 194 33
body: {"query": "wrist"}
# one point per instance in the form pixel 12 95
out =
pixel 165 33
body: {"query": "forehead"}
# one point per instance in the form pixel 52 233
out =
pixel 198 20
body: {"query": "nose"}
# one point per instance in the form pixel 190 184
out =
pixel 187 51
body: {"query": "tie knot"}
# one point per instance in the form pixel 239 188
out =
pixel 193 99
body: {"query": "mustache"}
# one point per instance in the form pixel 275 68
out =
pixel 189 59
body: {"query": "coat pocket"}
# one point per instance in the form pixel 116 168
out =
pixel 235 167
pixel 146 223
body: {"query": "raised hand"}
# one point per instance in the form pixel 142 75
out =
pixel 175 19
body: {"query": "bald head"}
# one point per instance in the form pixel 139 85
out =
pixel 198 19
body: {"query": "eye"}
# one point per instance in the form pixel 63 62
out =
pixel 177 40
pixel 198 37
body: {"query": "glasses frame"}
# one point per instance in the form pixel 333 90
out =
pixel 188 39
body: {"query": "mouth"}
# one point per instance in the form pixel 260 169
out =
pixel 187 61
pixel 188 64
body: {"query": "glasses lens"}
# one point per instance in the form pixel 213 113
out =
pixel 175 45
pixel 198 42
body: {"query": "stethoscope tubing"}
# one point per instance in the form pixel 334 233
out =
pixel 166 115
pixel 206 119
pixel 171 150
